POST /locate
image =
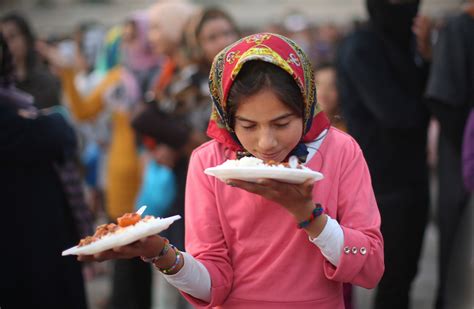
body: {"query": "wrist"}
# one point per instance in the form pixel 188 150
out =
pixel 313 218
pixel 303 212
pixel 317 226
pixel 162 253
pixel 175 266
pixel 167 260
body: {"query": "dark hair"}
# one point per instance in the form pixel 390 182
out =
pixel 256 76
pixel 192 31
pixel 25 30
pixel 6 64
pixel 214 13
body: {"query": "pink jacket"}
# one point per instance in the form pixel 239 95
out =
pixel 256 256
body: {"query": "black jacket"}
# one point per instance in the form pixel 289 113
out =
pixel 381 87
pixel 37 224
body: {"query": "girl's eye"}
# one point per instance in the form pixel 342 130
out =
pixel 250 127
pixel 282 125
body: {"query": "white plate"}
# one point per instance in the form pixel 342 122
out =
pixel 252 174
pixel 124 237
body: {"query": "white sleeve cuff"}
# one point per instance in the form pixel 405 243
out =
pixel 330 241
pixel 193 278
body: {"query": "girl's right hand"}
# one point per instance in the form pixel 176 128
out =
pixel 146 247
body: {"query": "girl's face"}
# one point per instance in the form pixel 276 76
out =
pixel 216 34
pixel 15 41
pixel 266 127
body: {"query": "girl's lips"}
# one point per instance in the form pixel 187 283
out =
pixel 270 156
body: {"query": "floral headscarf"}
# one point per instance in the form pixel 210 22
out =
pixel 275 49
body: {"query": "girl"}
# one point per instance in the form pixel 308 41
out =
pixel 269 244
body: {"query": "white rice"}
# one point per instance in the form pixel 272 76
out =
pixel 248 162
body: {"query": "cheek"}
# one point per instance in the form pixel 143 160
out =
pixel 247 139
pixel 293 136
pixel 334 95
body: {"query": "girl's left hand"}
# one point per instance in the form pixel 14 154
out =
pixel 148 247
pixel 296 198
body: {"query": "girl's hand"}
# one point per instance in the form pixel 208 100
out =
pixel 296 198
pixel 147 247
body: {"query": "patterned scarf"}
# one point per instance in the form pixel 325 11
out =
pixel 279 51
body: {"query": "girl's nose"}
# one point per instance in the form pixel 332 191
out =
pixel 267 141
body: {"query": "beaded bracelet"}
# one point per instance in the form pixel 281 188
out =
pixel 162 253
pixel 175 264
pixel 317 211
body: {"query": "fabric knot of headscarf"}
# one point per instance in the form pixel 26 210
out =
pixel 271 48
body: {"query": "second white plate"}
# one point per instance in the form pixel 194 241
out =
pixel 124 237
pixel 252 174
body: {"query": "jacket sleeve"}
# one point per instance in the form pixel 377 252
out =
pixel 362 259
pixel 204 236
pixel 44 138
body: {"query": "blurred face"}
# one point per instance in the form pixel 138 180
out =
pixel 326 89
pixel 129 32
pixel 15 41
pixel 159 41
pixel 266 127
pixel 215 35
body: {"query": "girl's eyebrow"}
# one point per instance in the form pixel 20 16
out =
pixel 272 120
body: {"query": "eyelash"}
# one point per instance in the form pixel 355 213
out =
pixel 278 126
pixel 249 127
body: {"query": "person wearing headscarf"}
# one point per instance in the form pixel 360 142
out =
pixel 133 67
pixel 175 121
pixel 163 122
pixel 271 244
pixel 38 222
pixel 186 93
pixel 32 77
pixel 381 80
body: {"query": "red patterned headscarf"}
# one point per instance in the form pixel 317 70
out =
pixel 275 49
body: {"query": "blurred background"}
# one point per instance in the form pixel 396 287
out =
pixel 61 16
pixel 78 35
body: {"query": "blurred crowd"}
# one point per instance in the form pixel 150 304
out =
pixel 101 121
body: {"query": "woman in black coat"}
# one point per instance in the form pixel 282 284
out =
pixel 37 223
